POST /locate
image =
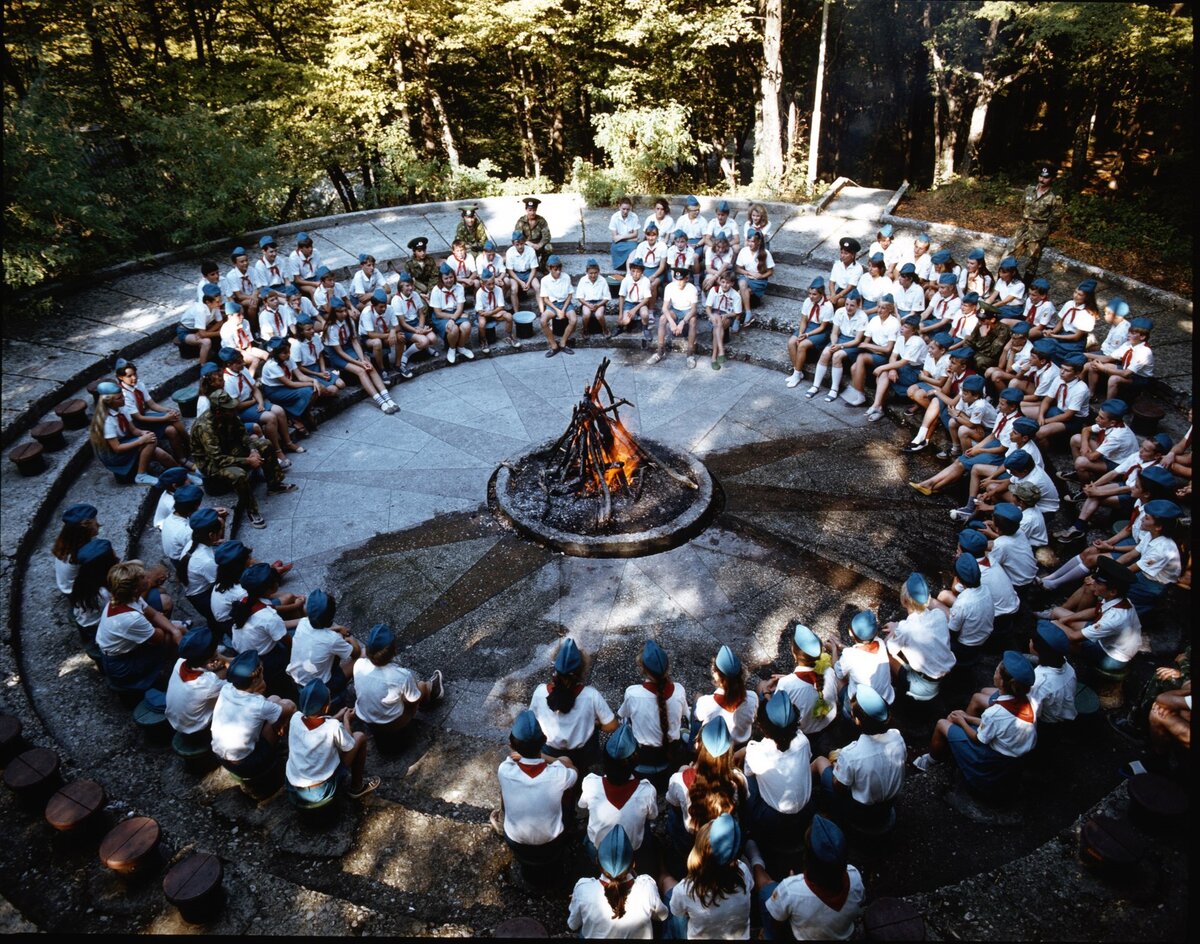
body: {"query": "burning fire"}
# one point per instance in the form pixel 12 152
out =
pixel 620 457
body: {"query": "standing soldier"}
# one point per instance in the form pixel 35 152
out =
pixel 1039 215
pixel 536 230
pixel 420 266
pixel 471 230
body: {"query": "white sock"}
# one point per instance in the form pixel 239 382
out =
pixel 378 398
pixel 835 378
pixel 408 352
pixel 921 434
pixel 819 374
pixel 1071 570
pixel 796 374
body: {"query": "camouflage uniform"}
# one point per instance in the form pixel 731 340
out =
pixel 474 236
pixel 424 274
pixel 537 231
pixel 221 447
pixel 1039 214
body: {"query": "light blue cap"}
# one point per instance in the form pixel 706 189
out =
pixel 908 268
pixel 654 657
pixel 723 206
pixel 827 842
pixel 621 743
pixel 95 549
pixel 176 475
pixel 362 257
pixel 806 640
pixel 107 388
pixel 715 736
pixel 680 233
pixel 232 307
pixel 487 273
pixel 651 226
pixel 1119 307
pixel 302 238
pixel 975 255
pixel 1141 324
pixel 188 495
pixel 941 257
pixel 196 643
pixel 877 257
pixel 526 728
pixel 1161 508
pixel 379 295
pixel 970 298
pixel 972 541
pixel 967 569
pixel 569 658
pixel 320 607
pixel 322 271
pixel 405 277
pixel 864 626
pixel 1053 636
pixel 886 230
pixel 203 519
pixel 725 838
pixel 82 511
pixel 313 698
pixel 237 251
pixel 1088 285
pixel 944 338
pixel 871 702
pixel 211 290
pixel 517 236
pixel 1008 262
pixel 817 283
pixel 615 852
pixel 1020 328
pixel 256 578
pixel 780 710
pixel 888 299
pixel 947 278
pixel 917 588
pixel 1115 408
pixel 266 241
pixel 692 202
pixel 923 238
pixel 1040 284
pixel 1017 667
pixel 241 670
pixel 554 260
pixel 1007 511
pixel 727 662
pixel 1019 460
pixel 489 245
pixel 444 269
pixel 592 264
pixel 1076 360
pixel 974 383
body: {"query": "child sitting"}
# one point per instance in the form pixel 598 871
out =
pixel 388 695
pixel 323 752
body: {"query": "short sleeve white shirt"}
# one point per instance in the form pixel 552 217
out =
pixel 603 814
pixel 313 652
pixel 313 752
pixel 593 291
pixel 739 720
pixel 849 325
pixel 1159 559
pixel 1119 443
pixel 570 729
pixel 1139 358
pixel 924 640
pixel 307 353
pixel 883 332
pixel 176 533
pixel 681 297
pixel 685 258
pixel 723 304
pixel 972 616
pixel 652 256
pixel 305 266
pixel 263 629
pixel 872 766
pixel 1004 596
pixel 1117 629
pixel 524 262
pixel 747 259
pixel 446 302
pixel 1033 526
pixel 1014 554
pixel 190 701
pixel 1006 733
pixel 727 919
pixel 556 289
pixel 783 777
pixel 810 918
pixel 619 225
pixel 866 664
pixel 237 721
pixel 162 511
pixel 912 351
pixel 591 915
pixel 842 276
pixel 801 687
pixel 632 291
pixel 1117 335
pixel 201 570
pixel 640 708
pixel 1053 693
pixel 383 691
pixel 533 801
pixel 909 299
pixel 489 299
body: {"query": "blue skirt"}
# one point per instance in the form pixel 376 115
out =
pixel 1011 311
pixel 252 414
pixel 335 360
pixel 905 377
pixel 981 459
pixel 439 324
pixel 982 767
pixel 136 670
pixel 294 400
pixel 1145 594
pixel 621 252
pixel 311 372
pixel 121 464
pixel 771 828
pixel 758 287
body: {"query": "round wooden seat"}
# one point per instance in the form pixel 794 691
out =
pixel 187 351
pixel 193 885
pixel 10 737
pixel 523 322
pixel 186 400
pixel 49 434
pixel 91 388
pixel 1109 844
pixel 1146 416
pixel 152 720
pixel 73 413
pixel 893 919
pixel 1156 802
pixel 1087 702
pixel 130 845
pixel 33 773
pixel 515 928
pixel 28 458
pixel 75 805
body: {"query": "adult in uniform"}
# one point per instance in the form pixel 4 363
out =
pixel 420 266
pixel 536 231
pixel 471 230
pixel 1039 214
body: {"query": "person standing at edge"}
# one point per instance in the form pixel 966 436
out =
pixel 1039 215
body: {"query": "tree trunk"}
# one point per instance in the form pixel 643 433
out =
pixel 556 142
pixel 401 87
pixel 770 140
pixel 345 190
pixel 1079 144
pixel 150 8
pixel 194 28
pixel 814 132
pixel 946 136
pixel 975 130
pixel 99 56
pixel 527 117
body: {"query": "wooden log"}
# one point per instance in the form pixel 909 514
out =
pixel 130 845
pixel 75 805
pixel 193 885
pixel 28 458
pixel 49 434
pixel 33 774
pixel 73 413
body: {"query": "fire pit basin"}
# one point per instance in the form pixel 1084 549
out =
pixel 663 514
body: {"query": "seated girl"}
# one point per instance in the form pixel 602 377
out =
pixel 258 625
pixel 137 643
pixel 387 695
pixel 655 710
pixel 125 449
pixel 903 367
pixel 620 800
pixel 846 331
pixel 286 387
pixel 252 406
pixel 1007 296
pixel 344 353
pixel 813 333
pixel 706 788
pixel 754 266
pixel 572 714
pixel 618 904
pixel 735 704
pixel 714 900
pixel 1076 319
pixel 79 527
pixel 147 413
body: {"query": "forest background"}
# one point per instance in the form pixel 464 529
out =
pixel 136 126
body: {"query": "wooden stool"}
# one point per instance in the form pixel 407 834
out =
pixel 33 774
pixel 1146 416
pixel 73 413
pixel 131 845
pixel 188 352
pixel 1109 844
pixel 91 388
pixel 1087 702
pixel 11 741
pixel 152 721
pixel 186 400
pixel 893 919
pixel 193 885
pixel 1156 803
pixel 28 458
pixel 75 805
pixel 49 434
pixel 515 928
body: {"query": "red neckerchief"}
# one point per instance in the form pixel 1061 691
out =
pixel 243 338
pixel 313 723
pixel 188 674
pixel 806 675
pixel 680 258
pixel 278 315
pixel 833 899
pixel 872 646
pixel 726 705
pixel 312 347
pixel 123 423
pixel 462 268
pixel 1000 424
pixel 618 794
pixel 247 285
pixel 116 609
pixel 1018 708
pixel 689 777
pixel 532 770
pixel 258 606
pixel 651 687
pixel 984 562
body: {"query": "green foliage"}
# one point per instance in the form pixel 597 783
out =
pixel 1127 223
pixel 599 186
pixel 643 142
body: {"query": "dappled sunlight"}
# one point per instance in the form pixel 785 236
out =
pixel 79 662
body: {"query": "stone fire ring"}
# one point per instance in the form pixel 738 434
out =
pixel 663 537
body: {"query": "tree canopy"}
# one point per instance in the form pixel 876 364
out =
pixel 132 126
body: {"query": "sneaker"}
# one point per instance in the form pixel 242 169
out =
pixel 853 397
pixel 749 320
pixel 369 784
pixel 567 349
pixel 434 353
pixel 551 352
pixel 962 514
pixel 721 359
pixel 1068 534
pixel 925 762
pixel 143 478
pixel 1074 498
pixel 256 520
pixel 655 357
pixel 485 350
pixel 436 688
pixel 948 452
pixel 511 341
pixel 451 356
pixel 691 361
pixel 285 464
pixel 280 489
pixel 1069 476
pixel 874 414
pixel 405 372
pixel 391 407
pixel 467 353
pixel 917 447
pixel 811 392
pixel 794 379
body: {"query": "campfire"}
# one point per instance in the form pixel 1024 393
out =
pixel 597 455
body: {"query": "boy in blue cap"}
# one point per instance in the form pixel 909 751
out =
pixel 176 529
pixel 624 229
pixel 620 800
pixel 378 331
pixel 972 614
pixel 521 260
pixel 938 401
pixel 490 306
pixel 194 686
pixel 680 307
pixel 1054 683
pixel 820 904
pixel 322 649
pixel 1114 488
pixel 554 303
pixel 1011 550
pixel 387 695
pixel 1116 316
pixel 466 273
pixel 246 723
pixel 169 481
pixel 1040 314
pixel 1065 409
pixel 973 542
pixel 305 260
pixel 1099 448
pixel 1132 364
pixel 534 789
pixel 1014 358
pixel 618 904
pixel 323 751
pixel 238 284
pixel 592 298
pixel 996 728
pixel 1108 632
pixel 201 321
pixel 635 299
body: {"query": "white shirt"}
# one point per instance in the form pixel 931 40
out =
pixel 1042 315
pixel 872 766
pixel 1076 318
pixel 603 815
pixel 383 691
pixel 729 228
pixel 681 297
pixel 591 915
pixel 1119 442
pixel 1138 358
pixel 815 313
pixel 266 273
pixel 803 694
pixel 201 570
pixel 1033 526
pixel 361 285
pixel 740 720
pixel 235 281
pixel 924 265
pixel 842 275
pixel 464 268
pixel 924 640
pixel 522 262
pixel 313 652
pixel 122 628
pixel 556 289
pixel 850 325
pixel 686 256
pixel 163 510
pixel 619 225
pixel 866 664
pixel 198 316
pixel 239 384
pixel 640 707
pixel 747 259
pixel 692 228
pixel 727 919
pixel 273 372
pixel 236 334
pixel 1038 476
pixel 631 291
pixel 313 753
pixel 570 729
pixel 783 777
pixel 496 263
pixel 407 307
pixel 1072 396
pixel 308 353
pixel 810 918
pixel 909 299
pixel 1014 553
pixel 221 601
pixel 881 332
pixel 980 413
pixel 64 574
pixel 723 304
pixel 936 369
pixel 665 226
pixel 190 702
pixel 593 291
pixel 652 256
pixel 1160 559
pixel 237 721
pixel 263 629
pixel 873 287
pixel 445 302
pixel 1117 629
pixel 176 535
pixel 1014 290
pixel 274 322
pixel 1117 335
pixel 972 616
pixel 1053 693
pixel 533 804
pixel 962 324
pixel 944 309
pixel 1004 597
pixel 493 298
pixel 305 266
pixel 372 320
pixel 1006 733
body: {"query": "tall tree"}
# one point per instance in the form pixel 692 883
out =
pixel 814 134
pixel 770 133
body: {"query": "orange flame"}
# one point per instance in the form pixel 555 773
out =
pixel 623 451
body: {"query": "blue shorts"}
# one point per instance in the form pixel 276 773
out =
pixel 1073 425
pixel 905 377
pixel 321 792
pixel 982 767
pixel 981 459
pixel 523 276
pixel 181 333
pixel 335 360
pixel 1094 653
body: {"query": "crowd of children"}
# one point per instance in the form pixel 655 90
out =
pixel 760 785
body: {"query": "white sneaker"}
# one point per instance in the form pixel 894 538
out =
pixel 853 397
pixel 467 353
pixel 925 762
pixel 655 358
pixel 451 356
pixel 874 414
pixel 795 378
pixel 143 478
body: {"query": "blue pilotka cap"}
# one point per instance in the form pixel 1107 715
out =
pixel 972 542
pixel 241 670
pixel 203 519
pixel 806 640
pixel 380 637
pixel 864 626
pixel 871 702
pixel 621 743
pixel 256 578
pixel 526 728
pixel 727 662
pixel 967 569
pixel 780 710
pixel 917 588
pixel 79 513
pixel 654 657
pixel 313 698
pixel 725 838
pixel 1018 667
pixel 615 852
pixel 227 552
pixel 569 658
pixel 715 736
pixel 826 841
pixel 320 607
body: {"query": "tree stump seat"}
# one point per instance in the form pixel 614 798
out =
pixel 73 413
pixel 49 435
pixel 131 845
pixel 28 458
pixel 34 773
pixel 75 805
pixel 193 885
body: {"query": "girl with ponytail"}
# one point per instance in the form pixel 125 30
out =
pixel 571 713
pixel 655 710
pixel 617 904
pixel 706 788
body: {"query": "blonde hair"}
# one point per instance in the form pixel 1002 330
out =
pixel 125 580
pixel 96 430
pixel 909 603
pixel 711 881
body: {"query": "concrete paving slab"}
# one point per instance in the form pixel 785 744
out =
pixel 354 238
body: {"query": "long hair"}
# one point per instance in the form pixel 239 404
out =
pixel 562 695
pixel 198 538
pixel 713 791
pixel 229 574
pixel 762 211
pixel 92 575
pixel 96 430
pixel 1089 301
pixel 762 253
pixel 70 539
pixel 712 881
pixel 616 892
pixel 733 685
pixel 782 737
pixel 239 612
pixel 661 684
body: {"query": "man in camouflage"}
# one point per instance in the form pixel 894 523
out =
pixel 223 451
pixel 471 230
pixel 536 230
pixel 1039 215
pixel 420 266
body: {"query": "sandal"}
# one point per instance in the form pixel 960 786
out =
pixel 294 448
pixel 371 783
